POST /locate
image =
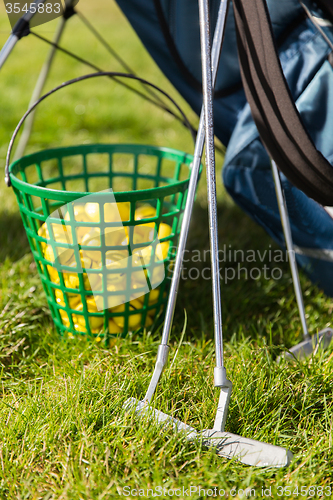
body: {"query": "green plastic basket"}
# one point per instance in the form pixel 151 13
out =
pixel 96 283
pixel 48 180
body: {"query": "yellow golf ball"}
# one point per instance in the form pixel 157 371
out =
pixel 114 257
pixel 91 259
pixel 54 276
pixel 115 236
pixel 163 248
pixel 153 296
pixel 114 211
pixel 134 320
pixel 164 230
pixel 145 212
pixel 63 256
pixel 91 305
pixel 80 214
pixel 92 238
pixel 43 231
pixel 71 280
pixel 79 327
pixel 64 317
pixel 95 322
pixel 62 232
pixel 144 233
pixel 73 299
pixel 92 211
pixel 86 261
pixel 114 328
pixel 48 253
pixel 148 321
pixel 92 281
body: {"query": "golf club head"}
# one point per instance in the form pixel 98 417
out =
pixel 247 451
pixel 143 408
pixel 309 346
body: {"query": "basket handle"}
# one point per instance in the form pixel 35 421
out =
pixel 111 74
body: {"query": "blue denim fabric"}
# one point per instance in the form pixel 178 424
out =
pixel 246 173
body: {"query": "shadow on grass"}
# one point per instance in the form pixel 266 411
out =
pixel 13 240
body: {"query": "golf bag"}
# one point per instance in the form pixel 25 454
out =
pixel 169 30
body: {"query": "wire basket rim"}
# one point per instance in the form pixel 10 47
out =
pixel 187 159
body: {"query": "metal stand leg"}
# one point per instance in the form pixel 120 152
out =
pixel 290 247
pixel 7 49
pixel 309 344
pixel 38 91
pixel 19 31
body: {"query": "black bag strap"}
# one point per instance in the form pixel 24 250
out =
pixel 272 106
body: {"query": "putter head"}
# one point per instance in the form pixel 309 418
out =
pixel 247 451
pixel 227 445
pixel 143 408
pixel 309 346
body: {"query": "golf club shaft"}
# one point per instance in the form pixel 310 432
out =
pixel 222 408
pixel 290 247
pixel 211 175
pixel 216 50
pixel 163 348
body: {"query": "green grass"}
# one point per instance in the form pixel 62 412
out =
pixel 63 432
